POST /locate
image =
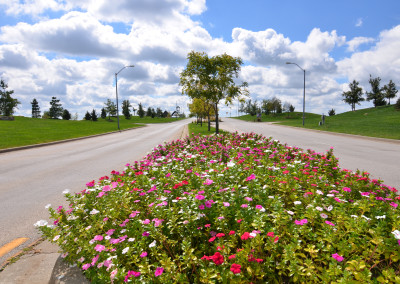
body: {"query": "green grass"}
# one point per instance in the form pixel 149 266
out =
pixel 28 131
pixel 197 129
pixel 382 122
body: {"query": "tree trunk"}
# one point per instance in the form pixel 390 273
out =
pixel 216 120
pixel 209 123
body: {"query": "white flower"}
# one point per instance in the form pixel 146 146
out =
pixel 330 195
pixel 40 223
pixel 125 250
pixel 323 215
pixel 381 217
pixel 365 217
pixel 396 234
pixel 94 211
pixel 290 212
pixel 253 235
pixel 47 206
pixel 230 164
pixel 354 216
pixel 319 208
pixel 131 239
pixel 123 231
pixel 153 244
pixel 320 192
pixel 107 237
pixel 271 197
pixel 66 191
pixel 297 202
pixel 330 207
pixel 56 238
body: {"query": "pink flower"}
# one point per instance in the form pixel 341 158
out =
pixel 245 236
pixel 145 234
pixel 337 257
pixel 200 197
pixel 248 199
pixel 346 189
pixel 208 182
pixel 201 207
pixel 144 254
pixel 209 203
pixel 270 234
pixel 252 176
pixel 159 271
pixel 301 222
pixel 329 223
pixel 259 207
pixel 226 204
pixel 98 238
pixel 86 266
pixel 231 232
pixel 394 204
pixel 244 205
pixel 99 248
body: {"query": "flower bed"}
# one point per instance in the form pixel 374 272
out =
pixel 231 208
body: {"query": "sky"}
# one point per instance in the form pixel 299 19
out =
pixel 71 49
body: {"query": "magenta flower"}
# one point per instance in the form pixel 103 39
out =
pixel 208 182
pixel 86 266
pixel 145 234
pixel 346 189
pixel 244 205
pixel 145 222
pixel 259 207
pixel 301 222
pixel 252 176
pixel 99 248
pixel 394 204
pixel 201 207
pixel 329 223
pixel 209 203
pixel 159 271
pixel 144 254
pixel 200 197
pixel 226 204
pixel 98 238
pixel 337 257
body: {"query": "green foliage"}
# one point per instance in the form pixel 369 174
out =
pixel 231 209
pixel 56 109
pixel 397 105
pixel 88 116
pixel 376 95
pixel 103 113
pixel 331 112
pixel 125 109
pixel 141 112
pixel 390 91
pixel 93 115
pixel 212 79
pixel 35 109
pixel 354 96
pixel 7 103
pixel 111 108
pixel 66 115
pixel 150 112
pixel 291 108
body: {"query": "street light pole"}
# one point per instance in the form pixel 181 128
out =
pixel 116 89
pixel 304 89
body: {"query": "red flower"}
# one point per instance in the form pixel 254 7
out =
pixel 276 240
pixel 259 260
pixel 217 258
pixel 245 236
pixel 205 257
pixel 220 235
pixel 251 258
pixel 231 232
pixel 232 256
pixel 235 268
pixel 211 239
pixel 270 234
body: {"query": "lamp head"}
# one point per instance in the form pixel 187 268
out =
pixel 289 63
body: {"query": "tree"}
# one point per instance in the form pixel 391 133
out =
pixel 110 108
pixel 103 113
pixel 140 111
pixel 331 112
pixel 397 105
pixel 56 109
pixel 7 103
pixel 212 79
pixel 354 96
pixel 88 116
pixel 125 109
pixel 390 91
pixel 66 115
pixel 201 109
pixel 291 108
pixel 150 112
pixel 159 112
pixel 35 109
pixel 134 111
pixel 376 95
pixel 93 115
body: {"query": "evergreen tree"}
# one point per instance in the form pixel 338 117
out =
pixel 140 111
pixel 7 103
pixel 354 96
pixel 103 113
pixel 390 91
pixel 159 112
pixel 397 105
pixel 93 115
pixel 331 112
pixel 149 112
pixel 35 109
pixel 88 116
pixel 376 95
pixel 125 109
pixel 291 108
pixel 66 115
pixel 56 109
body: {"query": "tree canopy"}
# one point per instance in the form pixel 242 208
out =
pixel 354 96
pixel 7 103
pixel 376 95
pixel 56 110
pixel 390 91
pixel 212 79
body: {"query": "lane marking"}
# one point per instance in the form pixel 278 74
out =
pixel 12 245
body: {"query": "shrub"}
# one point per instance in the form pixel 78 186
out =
pixel 331 112
pixel 397 105
pixel 231 208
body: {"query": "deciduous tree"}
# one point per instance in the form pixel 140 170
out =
pixel 110 108
pixel 141 112
pixel 66 115
pixel 354 96
pixel 7 103
pixel 212 79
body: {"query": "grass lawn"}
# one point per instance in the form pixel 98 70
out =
pixel 28 131
pixel 383 122
pixel 197 129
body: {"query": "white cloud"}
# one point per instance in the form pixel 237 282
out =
pixel 357 41
pixel 359 22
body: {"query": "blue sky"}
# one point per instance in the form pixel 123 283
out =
pixel 71 48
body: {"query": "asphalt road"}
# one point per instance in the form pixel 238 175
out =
pixel 30 179
pixel 379 157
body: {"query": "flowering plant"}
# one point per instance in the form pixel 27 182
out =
pixel 231 208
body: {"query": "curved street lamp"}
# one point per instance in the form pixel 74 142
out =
pixel 304 89
pixel 116 89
